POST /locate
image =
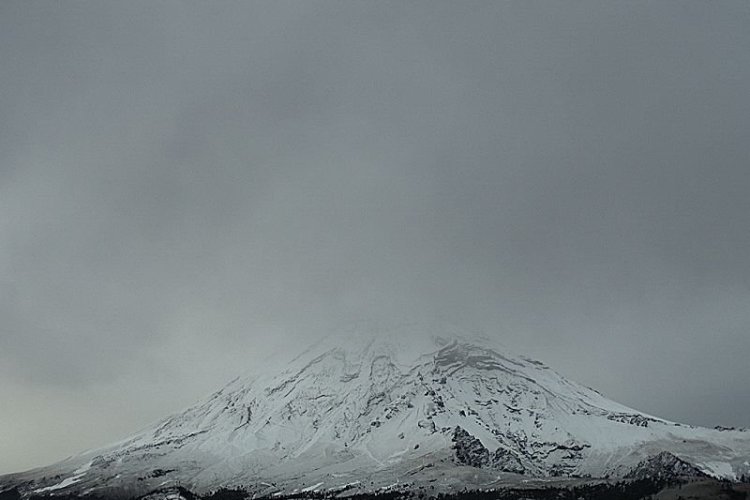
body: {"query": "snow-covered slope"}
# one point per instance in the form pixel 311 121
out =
pixel 401 407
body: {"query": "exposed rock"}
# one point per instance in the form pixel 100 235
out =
pixel 665 466
pixel 469 450
pixel 639 420
pixel 507 461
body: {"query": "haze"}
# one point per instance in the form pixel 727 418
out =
pixel 187 188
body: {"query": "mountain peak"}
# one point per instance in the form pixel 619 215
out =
pixel 404 341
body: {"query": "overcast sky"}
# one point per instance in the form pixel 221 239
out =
pixel 187 187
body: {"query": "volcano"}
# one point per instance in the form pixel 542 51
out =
pixel 404 408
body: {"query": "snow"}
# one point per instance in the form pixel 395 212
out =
pixel 349 485
pixel 78 474
pixel 383 404
pixel 63 484
pixel 720 469
pixel 314 487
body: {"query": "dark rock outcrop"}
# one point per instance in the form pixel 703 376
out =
pixel 665 466
pixel 507 461
pixel 469 450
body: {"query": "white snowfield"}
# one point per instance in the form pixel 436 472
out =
pixel 379 410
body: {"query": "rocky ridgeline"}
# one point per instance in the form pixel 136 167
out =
pixel 665 466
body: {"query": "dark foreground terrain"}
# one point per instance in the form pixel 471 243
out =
pixel 652 489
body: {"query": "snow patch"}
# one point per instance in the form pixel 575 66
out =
pixel 720 469
pixel 78 474
pixel 314 487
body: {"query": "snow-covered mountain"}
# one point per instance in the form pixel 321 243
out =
pixel 395 409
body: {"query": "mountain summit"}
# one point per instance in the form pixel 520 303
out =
pixel 374 410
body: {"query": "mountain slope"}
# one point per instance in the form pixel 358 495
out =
pixel 380 409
